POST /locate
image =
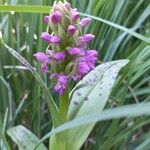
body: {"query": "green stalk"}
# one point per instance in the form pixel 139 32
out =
pixel 63 110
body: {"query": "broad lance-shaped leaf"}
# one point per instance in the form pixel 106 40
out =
pixel 24 138
pixel 91 98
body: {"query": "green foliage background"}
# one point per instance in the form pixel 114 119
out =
pixel 21 94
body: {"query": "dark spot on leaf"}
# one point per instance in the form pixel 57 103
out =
pixel 75 102
pixel 86 99
pixel 78 93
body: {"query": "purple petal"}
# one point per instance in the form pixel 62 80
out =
pixel 85 21
pixel 74 51
pixel 59 56
pixel 46 19
pixel 55 40
pixel 56 17
pixel 46 37
pixel 86 38
pixel 61 85
pixel 71 29
pixel 83 68
pixel 74 15
pixel 42 57
pixel 44 68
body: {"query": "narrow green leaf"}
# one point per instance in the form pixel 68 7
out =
pixel 115 25
pixel 51 104
pixel 25 8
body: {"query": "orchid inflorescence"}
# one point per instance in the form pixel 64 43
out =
pixel 68 58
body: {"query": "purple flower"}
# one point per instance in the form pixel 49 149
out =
pixel 46 19
pixel 91 58
pixel 44 68
pixel 83 68
pixel 74 15
pixel 86 38
pixel 46 37
pixel 74 51
pixel 59 56
pixel 56 17
pixel 71 29
pixel 61 85
pixel 85 21
pixel 55 40
pixel 50 53
pixel 42 57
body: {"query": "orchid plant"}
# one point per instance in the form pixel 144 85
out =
pixel 67 60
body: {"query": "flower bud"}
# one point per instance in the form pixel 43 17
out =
pixel 46 19
pixel 56 17
pixel 86 38
pixel 84 22
pixel 71 29
pixel 74 15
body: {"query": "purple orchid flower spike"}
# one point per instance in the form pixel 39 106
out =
pixel 68 58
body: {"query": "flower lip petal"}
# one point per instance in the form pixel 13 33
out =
pixel 55 40
pixel 74 51
pixel 59 56
pixel 46 36
pixel 42 57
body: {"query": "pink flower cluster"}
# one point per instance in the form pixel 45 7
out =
pixel 69 58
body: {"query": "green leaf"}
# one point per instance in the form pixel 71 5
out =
pixel 92 98
pixel 51 104
pixel 115 25
pixel 24 138
pixel 25 8
pixel 133 110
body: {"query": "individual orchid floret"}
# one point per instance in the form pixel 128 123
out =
pixel 74 51
pixel 56 17
pixel 71 29
pixel 55 40
pixel 46 36
pixel 46 19
pixel 50 38
pixel 42 57
pixel 74 15
pixel 61 85
pixel 59 56
pixel 85 21
pixel 86 38
pixel 83 68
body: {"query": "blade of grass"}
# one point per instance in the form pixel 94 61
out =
pixel 51 104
